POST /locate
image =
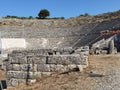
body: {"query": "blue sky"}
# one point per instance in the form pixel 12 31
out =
pixel 57 8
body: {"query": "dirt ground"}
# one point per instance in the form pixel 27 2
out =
pixel 101 74
pixel 2 75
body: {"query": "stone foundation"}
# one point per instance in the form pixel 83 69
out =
pixel 26 65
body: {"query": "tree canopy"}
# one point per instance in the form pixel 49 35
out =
pixel 43 13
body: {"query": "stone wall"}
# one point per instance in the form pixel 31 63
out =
pixel 104 46
pixel 24 66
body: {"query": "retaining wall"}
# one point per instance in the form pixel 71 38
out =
pixel 24 66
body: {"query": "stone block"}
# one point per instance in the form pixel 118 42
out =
pixel 12 82
pixel 9 67
pixel 30 54
pixel 45 74
pixel 20 75
pixel 30 59
pixel 37 74
pixel 16 74
pixel 36 59
pixel 43 67
pixel 31 81
pixel 25 67
pixel 38 52
pixel 85 61
pixel 58 68
pixel 21 67
pixel 18 60
pixel 66 59
pixel 15 67
pixel 72 66
pixel 21 81
pixel 15 82
pixel 57 53
pixel 40 59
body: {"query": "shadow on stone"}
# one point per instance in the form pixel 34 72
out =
pixel 72 70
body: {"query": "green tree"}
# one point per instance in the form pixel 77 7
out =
pixel 43 13
pixel 30 17
pixel 84 15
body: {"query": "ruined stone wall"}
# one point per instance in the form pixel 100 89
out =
pixel 24 66
pixel 104 46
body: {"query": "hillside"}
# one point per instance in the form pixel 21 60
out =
pixel 52 23
pixel 72 32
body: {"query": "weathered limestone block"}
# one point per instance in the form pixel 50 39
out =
pixel 37 75
pixel 45 74
pixel 36 59
pixel 12 82
pixel 111 47
pixel 43 67
pixel 82 53
pixel 16 67
pixel 31 67
pixel 31 81
pixel 39 51
pixel 18 60
pixel 63 51
pixel 72 66
pixel 24 67
pixel 57 53
pixel 2 66
pixel 9 66
pixel 21 67
pixel 20 75
pixel 30 59
pixel 82 50
pixel 30 54
pixel 15 82
pixel 58 68
pixel 65 59
pixel 21 81
pixel 84 61
pixel 65 68
pixel 85 53
pixel 40 59
pixel 16 74
pixel 17 53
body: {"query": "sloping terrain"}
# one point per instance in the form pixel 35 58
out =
pixel 94 34
pixel 73 36
pixel 37 37
pixel 50 33
pixel 46 37
pixel 102 74
pixel 52 23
